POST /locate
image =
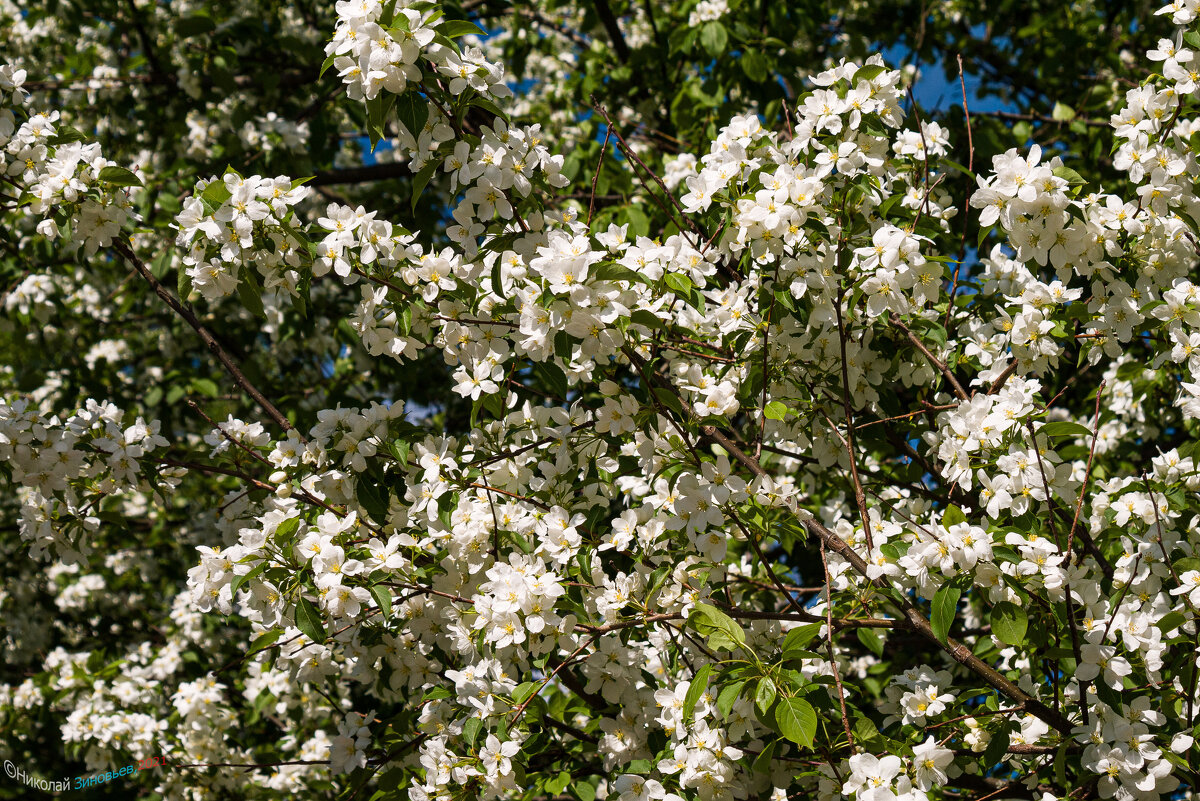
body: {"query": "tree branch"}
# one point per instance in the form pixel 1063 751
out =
pixel 122 247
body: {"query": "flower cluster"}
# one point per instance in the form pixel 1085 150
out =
pixel 235 230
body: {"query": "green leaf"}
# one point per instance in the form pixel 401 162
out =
pixel 868 72
pixel 945 605
pixel 489 107
pixel 728 697
pixel 251 294
pixel 755 65
pixel 1009 622
pixel 309 621
pixel 238 581
pixel 400 449
pixel 800 636
pixel 326 64
pixel 383 597
pixel 161 264
pixel 264 640
pixel 695 691
pixel 762 762
pixel 194 25
pixel 668 398
pixel 1064 428
pixel 996 748
pixel 723 631
pixel 421 180
pixel 678 283
pixel 775 410
pixel 797 720
pixel 1062 112
pixel 372 499
pixel 713 37
pixel 524 690
pixel 871 639
pixel 953 516
pixel 471 731
pixel 559 783
pixel 551 375
pixel 1069 175
pixel 119 176
pixel 764 696
pixel 216 193
pixel 647 318
pixel 611 271
pixel 285 530
pixel 378 110
pixel 204 386
pixel 1170 621
pixel 584 790
pixel 454 28
pixel 413 112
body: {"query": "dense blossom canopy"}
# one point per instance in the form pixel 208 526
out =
pixel 640 401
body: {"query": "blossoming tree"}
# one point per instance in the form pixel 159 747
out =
pixel 633 401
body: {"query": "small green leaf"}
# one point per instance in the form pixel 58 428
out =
pixel 413 112
pixel 119 176
pixel 1069 175
pixel 372 498
pixel 868 72
pixel 714 37
pixel 378 110
pixel 728 697
pixel 1064 428
pixel 285 530
pixel 762 762
pixel 471 731
pixel 678 283
pixel 400 449
pixel 216 193
pixel 953 516
pixel 996 748
pixel 755 65
pixel 797 720
pixel 421 180
pixel 764 695
pixel 945 605
pixel 383 597
pixel 800 636
pixel 871 639
pixel 238 581
pixel 775 410
pixel 194 25
pixel 647 318
pixel 524 690
pixel 264 640
pixel 1171 621
pixel 326 64
pixel 1009 622
pixel 695 691
pixel 204 386
pixel 723 631
pixel 559 783
pixel 1062 112
pixel 251 294
pixel 309 621
pixel 454 28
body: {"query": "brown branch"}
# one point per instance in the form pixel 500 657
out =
pixel 122 246
pixel 935 361
pixel 361 175
pixel 604 12
pixel 957 651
